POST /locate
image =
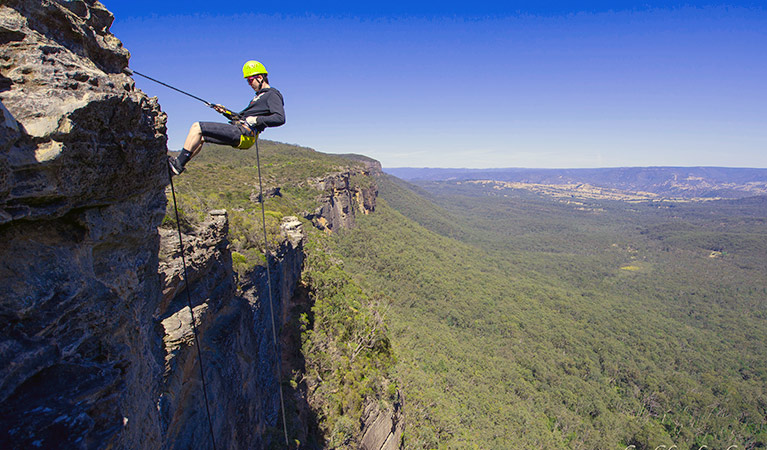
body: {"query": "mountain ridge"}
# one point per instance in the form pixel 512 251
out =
pixel 662 181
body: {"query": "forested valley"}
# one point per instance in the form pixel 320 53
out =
pixel 521 321
pixel 509 319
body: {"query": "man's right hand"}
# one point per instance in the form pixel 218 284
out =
pixel 228 114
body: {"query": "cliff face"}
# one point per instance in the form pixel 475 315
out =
pixel 234 329
pixel 96 347
pixel 345 194
pixel 82 172
pixel 383 429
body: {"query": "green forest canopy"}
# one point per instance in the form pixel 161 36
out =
pixel 519 321
pixel 522 322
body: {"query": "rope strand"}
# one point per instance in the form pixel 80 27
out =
pixel 191 311
pixel 271 302
pixel 271 305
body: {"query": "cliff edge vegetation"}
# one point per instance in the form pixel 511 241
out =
pixel 337 359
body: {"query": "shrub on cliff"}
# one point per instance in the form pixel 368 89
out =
pixel 346 346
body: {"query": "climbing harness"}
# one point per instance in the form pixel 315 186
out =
pixel 246 142
pixel 247 136
pixel 271 302
pixel 191 311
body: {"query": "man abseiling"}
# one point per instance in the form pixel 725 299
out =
pixel 265 110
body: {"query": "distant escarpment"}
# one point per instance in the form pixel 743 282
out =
pixel 344 195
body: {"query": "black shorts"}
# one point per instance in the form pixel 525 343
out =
pixel 221 133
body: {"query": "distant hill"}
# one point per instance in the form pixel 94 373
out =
pixel 685 182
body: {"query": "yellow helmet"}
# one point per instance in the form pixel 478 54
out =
pixel 253 68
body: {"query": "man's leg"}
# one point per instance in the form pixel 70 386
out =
pixel 200 132
pixel 192 146
pixel 193 142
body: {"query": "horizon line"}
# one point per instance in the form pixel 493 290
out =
pixel 571 168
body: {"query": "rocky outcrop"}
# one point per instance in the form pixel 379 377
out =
pixel 75 131
pixel 345 194
pixel 82 174
pixel 234 323
pixel 382 429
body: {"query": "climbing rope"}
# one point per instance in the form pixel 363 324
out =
pixel 191 311
pixel 229 115
pixel 271 302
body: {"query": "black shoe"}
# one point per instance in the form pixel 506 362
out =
pixel 175 167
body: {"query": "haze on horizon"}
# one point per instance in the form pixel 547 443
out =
pixel 474 85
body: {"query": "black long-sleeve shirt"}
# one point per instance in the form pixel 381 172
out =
pixel 265 110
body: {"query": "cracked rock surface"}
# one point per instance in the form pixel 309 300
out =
pixel 82 178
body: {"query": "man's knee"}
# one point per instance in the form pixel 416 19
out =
pixel 195 129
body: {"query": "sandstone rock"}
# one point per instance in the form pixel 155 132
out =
pixel 292 230
pixel 81 129
pixel 81 195
pixel 234 325
pixel 377 432
pixel 382 429
pixel 342 200
pixel 269 192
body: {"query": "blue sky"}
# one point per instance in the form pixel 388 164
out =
pixel 473 84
